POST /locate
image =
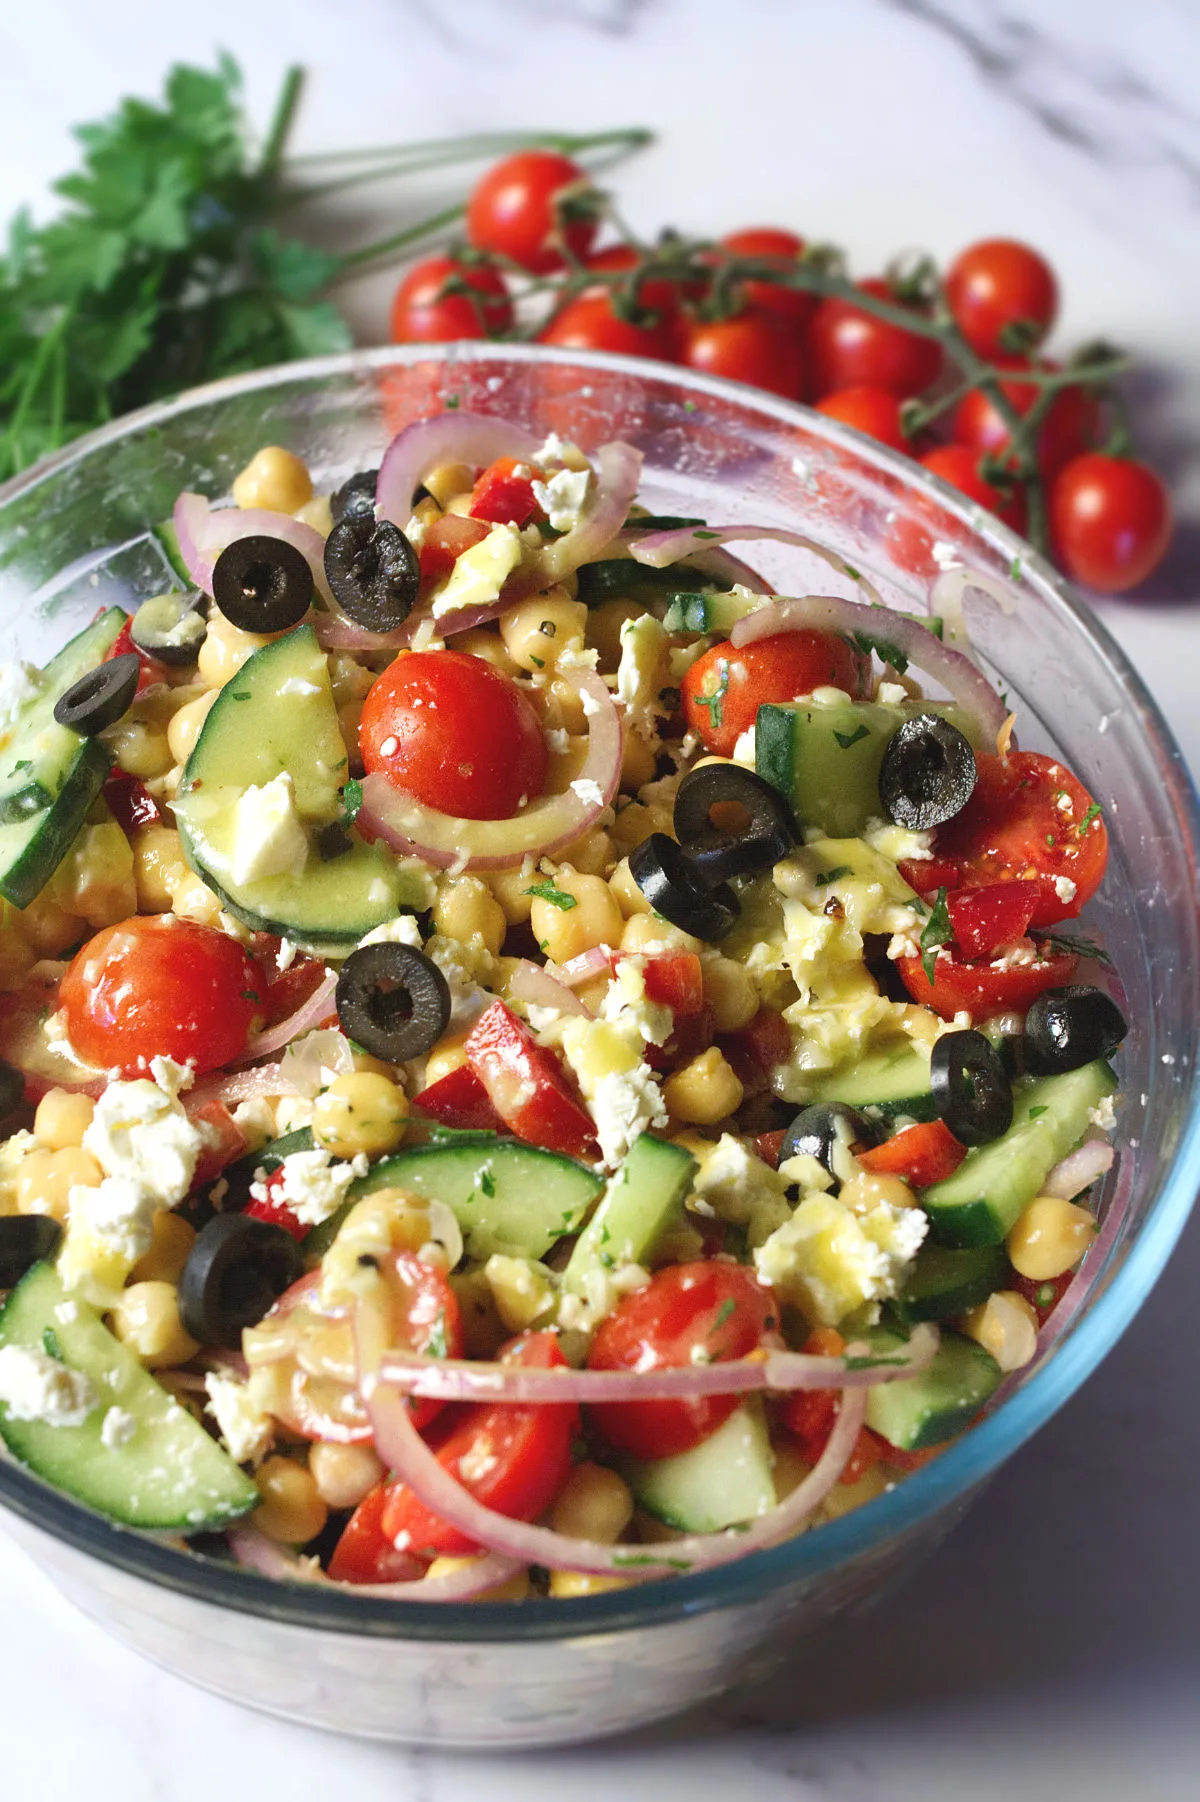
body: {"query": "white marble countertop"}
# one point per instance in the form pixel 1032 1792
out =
pixel 1051 1650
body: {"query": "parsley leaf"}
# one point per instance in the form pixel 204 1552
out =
pixel 1036 1112
pixel 872 1363
pixel 846 739
pixel 1063 942
pixel 888 652
pixel 824 877
pixel 487 1182
pixel 715 702
pixel 1093 813
pixel 50 1342
pixel 352 799
pixel 557 897
pixel 937 931
pixel 725 1312
pixel 436 1346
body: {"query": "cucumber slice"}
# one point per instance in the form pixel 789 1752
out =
pixel 168 1474
pixel 944 1282
pixel 826 760
pixel 709 611
pixel 49 775
pixel 167 539
pixel 507 1197
pixel 642 1200
pixel 994 1184
pixel 724 1481
pixel 928 1409
pixel 623 578
pixel 278 714
pixel 890 1084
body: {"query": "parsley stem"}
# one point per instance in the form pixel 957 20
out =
pixel 399 241
pixel 281 123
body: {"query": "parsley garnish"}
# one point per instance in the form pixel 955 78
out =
pixel 50 1342
pixel 1036 1112
pixel 872 1363
pixel 23 765
pixel 557 897
pixel 937 931
pixel 538 662
pixel 1014 569
pixel 239 694
pixel 705 534
pixel 1077 947
pixel 628 1560
pixel 715 702
pixel 249 995
pixel 487 1182
pixel 824 877
pixel 725 1312
pixel 891 653
pixel 435 1345
pixel 352 800
pixel 1093 813
pixel 1044 1296
pixel 853 573
pixel 846 739
pixel 452 401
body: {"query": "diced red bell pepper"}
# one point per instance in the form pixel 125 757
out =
pixel 151 671
pixel 130 802
pixel 1045 1295
pixel 444 543
pixel 503 496
pixel 364 1553
pixel 676 981
pixel 224 1140
pixel 526 1085
pixel 754 1050
pixel 460 1100
pixel 274 1210
pixel 928 874
pixel 984 919
pixel 769 1145
pixel 922 1154
pixel 288 990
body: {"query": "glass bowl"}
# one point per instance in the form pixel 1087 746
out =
pixel 77 533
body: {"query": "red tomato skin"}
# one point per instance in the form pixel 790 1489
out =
pixel 922 1154
pixel 774 669
pixel 959 465
pixel 1068 428
pixel 874 411
pixel 423 314
pixel 159 986
pixel 771 244
pixel 1013 828
pixel 274 1211
pixel 928 874
pixel 444 543
pixel 130 802
pixel 512 211
pixel 458 734
pixel 590 322
pixel 502 497
pixel 997 283
pixel 226 1140
pixel 981 990
pixel 364 1553
pixel 752 346
pixel 656 295
pixel 1111 521
pixel 525 1084
pixel 756 1049
pixel 684 1307
pixel 1043 1295
pixel 460 1100
pixel 848 348
pixel 770 1145
pixel 984 919
pixel 530 1449
pixel 675 981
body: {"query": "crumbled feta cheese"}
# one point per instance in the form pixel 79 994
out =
pixel 311 1184
pixel 621 1090
pixel 117 1428
pixel 558 740
pixel 1015 957
pixel 897 843
pixel 296 685
pixel 745 749
pixel 891 694
pixel 172 1078
pixel 737 1186
pixel 588 790
pixel 35 1386
pixel 625 999
pixel 1064 888
pixel 831 1262
pixel 268 837
pixel 945 555
pixel 563 497
pixel 285 957
pixel 480 573
pixel 639 673
pixel 829 696
pixel 246 1430
pixel 415 531
pixel 255 1120
pixel 554 450
pixel 465 965
pixel 576 658
pixel 1063 802
pixel 403 930
pixel 111 1225
pixel 1104 1115
pixel 140 1134
pixel 13 1153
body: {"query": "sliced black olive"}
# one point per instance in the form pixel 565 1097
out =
pixel 393 1001
pixel 235 1272
pixel 373 571
pixel 927 774
pixel 675 889
pixel 99 699
pixel 971 1090
pixel 355 499
pixel 25 1239
pixel 171 627
pixel 823 1129
pixel 12 1088
pixel 333 841
pixel 262 584
pixel 730 822
pixel 1067 1028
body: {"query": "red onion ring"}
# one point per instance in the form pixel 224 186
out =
pixel 1079 1170
pixel 254 1551
pixel 310 1013
pixel 946 600
pixel 540 829
pixel 599 961
pixel 537 988
pixel 242 1085
pixel 471 438
pixel 714 562
pixel 203 532
pixel 827 613
pixel 337 634
pixel 658 549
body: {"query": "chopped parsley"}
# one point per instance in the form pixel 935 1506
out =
pixel 715 702
pixel 1062 942
pixel 1093 813
pixel 703 533
pixel 436 1345
pixel 1036 1112
pixel 352 800
pixel 846 739
pixel 557 897
pixel 249 995
pixel 487 1182
pixel 51 1343
pixel 853 573
pixel 937 932
pixel 538 662
pixel 888 652
pixel 1014 569
pixel 825 877
pixel 725 1312
pixel 628 1560
pixel 871 1362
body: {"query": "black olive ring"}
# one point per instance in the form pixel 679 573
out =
pixel 675 888
pixel 99 698
pixel 262 584
pixel 927 775
pixel 720 851
pixel 971 1090
pixel 1069 1027
pixel 393 1001
pixel 235 1272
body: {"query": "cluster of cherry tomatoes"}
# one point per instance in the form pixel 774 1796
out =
pixel 534 218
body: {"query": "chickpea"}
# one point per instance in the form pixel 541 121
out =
pixel 511 889
pixel 704 1091
pixel 173 1240
pixel 730 992
pixel 638 763
pixel 634 824
pixel 45 1179
pixel 62 1118
pixel 1050 1238
pixel 536 632
pixel 466 907
pixel 645 931
pixel 564 707
pixel 292 1511
pixel 146 1319
pixel 185 725
pixel 226 647
pixel 595 1504
pixel 865 1191
pixel 158 868
pixel 604 629
pixel 343 1474
pixel 317 513
pixel 591 853
pixel 275 479
pixel 140 748
pixel 1005 1325
pixel 513 1589
pixel 449 1054
pixel 486 642
pixel 630 898
pixel 594 919
pixel 360 1112
pixel 448 480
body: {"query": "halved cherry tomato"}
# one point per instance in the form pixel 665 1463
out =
pixel 998 285
pixel 526 1085
pixel 756 1049
pixel 724 689
pixel 984 919
pixel 1111 521
pixel 591 322
pixel 983 989
pixel 528 206
pixel 430 306
pixel 445 541
pixel 770 244
pixel 288 989
pixel 675 981
pixel 874 411
pixel 921 1154
pixel 460 1100
pixel 514 1459
pixel 456 733
pixel 160 986
pixel 503 496
pixel 928 874
pixel 810 1415
pixel 1069 426
pixel 752 346
pixel 130 802
pixel 849 348
pixel 364 1553
pixel 1029 819
pixel 708 1310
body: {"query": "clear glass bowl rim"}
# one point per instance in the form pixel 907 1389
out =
pixel 928 1491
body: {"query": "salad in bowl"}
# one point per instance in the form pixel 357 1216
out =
pixel 533 1062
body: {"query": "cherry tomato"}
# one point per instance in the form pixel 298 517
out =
pixel 959 465
pixel 848 348
pixel 998 284
pixel 459 1099
pixel 522 209
pixel 1068 428
pixel 724 689
pixel 364 1553
pixel 657 295
pixel 1029 819
pixel 224 1140
pixel 985 919
pixel 590 322
pixel 526 1086
pixel 871 410
pixel 982 989
pixel 676 980
pixel 912 535
pixel 514 1459
pixel 504 495
pixel 272 1208
pixel 753 346
pixel 1111 521
pixel 709 1310
pixel 444 543
pixel 157 986
pixel 922 1154
pixel 423 312
pixel 456 733
pixel 770 244
pixel 928 874
pixel 810 1415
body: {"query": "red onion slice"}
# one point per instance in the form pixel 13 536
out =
pixel 658 549
pixel 204 532
pixel 599 961
pixel 472 438
pixel 946 600
pixel 537 988
pixel 310 1013
pixel 540 829
pixel 1079 1170
pixel 827 613
pixel 337 634
pixel 254 1551
pixel 242 1085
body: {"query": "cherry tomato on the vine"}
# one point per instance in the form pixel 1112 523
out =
pixel 423 312
pixel 724 689
pixel 1110 519
pixel 456 733
pixel 657 295
pixel 874 411
pixel 850 348
pixel 157 986
pixel 751 346
pixel 527 206
pixel 959 465
pixel 1068 428
pixel 591 322
pixel 771 244
pixel 996 286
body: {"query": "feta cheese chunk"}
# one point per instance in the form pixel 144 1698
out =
pixel 480 573
pixel 172 1078
pixel 19 683
pixel 268 835
pixel 621 1090
pixel 403 930
pixel 563 497
pixel 117 1428
pixel 139 1134
pixel 35 1386
pixel 831 1262
pixel 735 1185
pixel 640 676
pixel 311 1184
pixel 246 1429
